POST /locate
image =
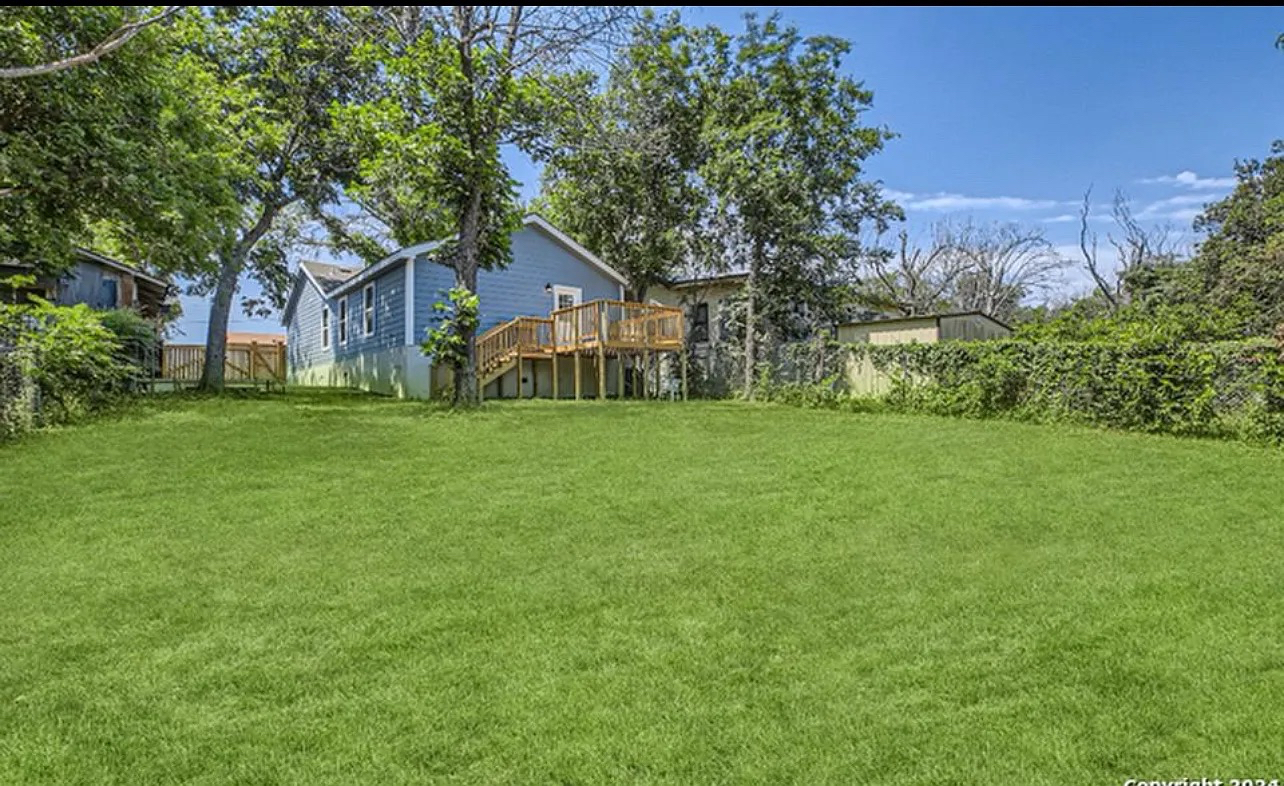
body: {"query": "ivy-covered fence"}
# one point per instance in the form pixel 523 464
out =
pixel 1233 389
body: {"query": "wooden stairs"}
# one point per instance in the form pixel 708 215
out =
pixel 603 328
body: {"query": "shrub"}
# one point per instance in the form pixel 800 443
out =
pixel 1188 388
pixel 68 355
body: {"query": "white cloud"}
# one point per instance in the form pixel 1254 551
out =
pixel 1188 179
pixel 1183 207
pixel 945 202
pixel 1064 218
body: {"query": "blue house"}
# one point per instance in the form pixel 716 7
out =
pixel 361 327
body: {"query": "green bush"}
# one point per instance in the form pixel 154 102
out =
pixel 71 358
pixel 1188 388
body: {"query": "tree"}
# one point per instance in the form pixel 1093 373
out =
pixel 272 75
pixel 1240 263
pixel 914 280
pixel 113 153
pixel 620 165
pixel 71 57
pixel 784 144
pixel 1137 250
pixel 455 85
pixel 1005 263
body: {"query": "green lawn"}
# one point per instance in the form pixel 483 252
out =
pixel 335 589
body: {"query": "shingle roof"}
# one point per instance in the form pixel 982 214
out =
pixel 330 277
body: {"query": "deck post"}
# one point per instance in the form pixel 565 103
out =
pixel 555 372
pixel 577 375
pixel 619 375
pixel 519 370
pixel 601 352
pixel 659 392
pixel 646 371
pixel 684 374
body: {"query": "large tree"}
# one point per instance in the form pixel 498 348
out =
pixel 270 75
pixel 103 144
pixel 784 142
pixel 1240 263
pixel 620 165
pixel 455 85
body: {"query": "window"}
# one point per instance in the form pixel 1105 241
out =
pixel 700 322
pixel 566 297
pixel 343 321
pixel 367 309
pixel 325 327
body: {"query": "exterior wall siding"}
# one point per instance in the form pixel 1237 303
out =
pixel 517 290
pixel 303 334
pixel 390 316
pixel 923 331
pixel 83 283
pixel 971 327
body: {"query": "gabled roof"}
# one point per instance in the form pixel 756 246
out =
pixel 703 281
pixel 539 222
pixel 328 277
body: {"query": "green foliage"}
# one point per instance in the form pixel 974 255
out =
pixel 1146 322
pixel 620 165
pixel 1242 259
pixel 457 318
pixel 69 354
pixel 1187 388
pixel 114 154
pixel 139 345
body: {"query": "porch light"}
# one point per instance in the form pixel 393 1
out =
pixel 548 288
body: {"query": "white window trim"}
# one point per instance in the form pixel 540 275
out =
pixel 368 312
pixel 325 327
pixel 344 327
pixel 575 292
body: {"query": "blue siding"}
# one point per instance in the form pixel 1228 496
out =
pixel 390 315
pixel 303 335
pixel 517 290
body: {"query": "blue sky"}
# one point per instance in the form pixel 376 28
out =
pixel 1009 114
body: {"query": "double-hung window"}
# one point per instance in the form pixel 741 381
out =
pixel 325 327
pixel 368 310
pixel 343 321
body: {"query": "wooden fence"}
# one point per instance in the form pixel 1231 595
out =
pixel 244 363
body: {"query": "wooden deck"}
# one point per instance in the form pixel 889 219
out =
pixel 598 329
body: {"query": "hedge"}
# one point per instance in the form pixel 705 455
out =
pixel 1225 389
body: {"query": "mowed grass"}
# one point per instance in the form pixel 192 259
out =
pixel 318 588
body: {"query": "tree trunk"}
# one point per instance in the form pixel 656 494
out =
pixel 751 318
pixel 231 263
pixel 466 265
pixel 229 274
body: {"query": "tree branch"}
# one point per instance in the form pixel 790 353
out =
pixel 119 37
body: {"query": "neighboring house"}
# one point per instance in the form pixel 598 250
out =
pixel 704 301
pixel 864 379
pixel 98 282
pixel 362 327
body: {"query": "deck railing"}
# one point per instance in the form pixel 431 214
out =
pixel 524 334
pixel 618 324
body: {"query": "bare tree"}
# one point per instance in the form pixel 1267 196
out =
pixel 115 40
pixel 1005 263
pixel 1136 248
pixel 915 280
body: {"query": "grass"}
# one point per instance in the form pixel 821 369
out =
pixel 334 589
